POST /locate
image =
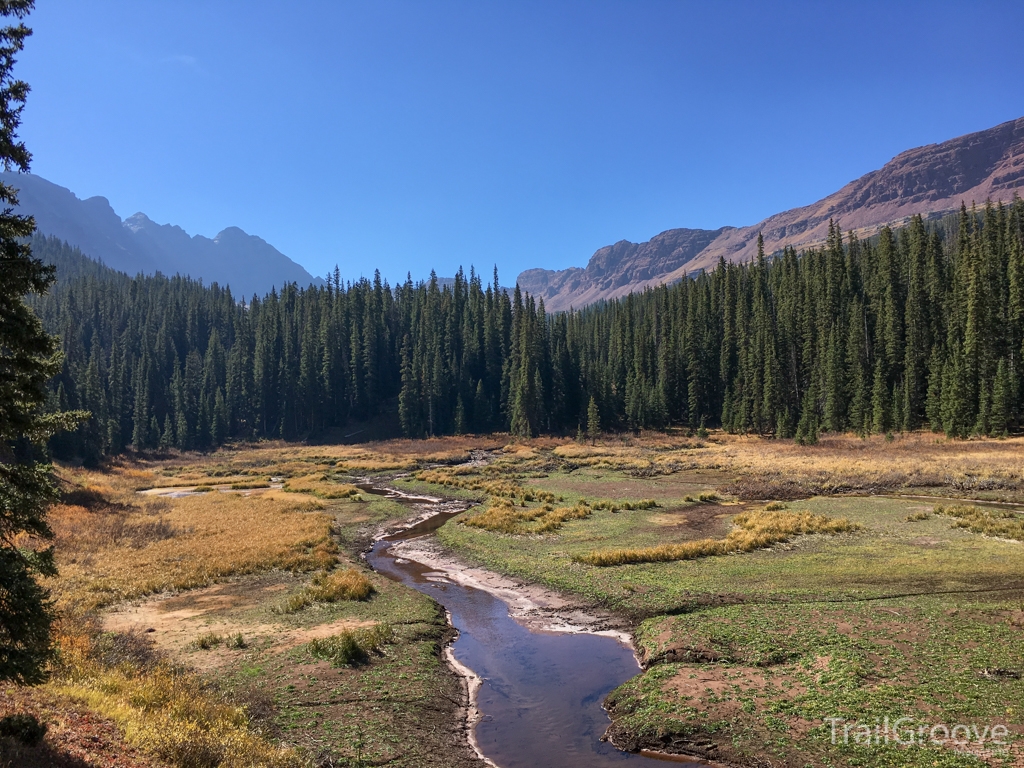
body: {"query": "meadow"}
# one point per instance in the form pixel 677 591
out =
pixel 775 586
pixel 215 610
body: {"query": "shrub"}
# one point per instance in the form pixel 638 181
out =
pixel 348 584
pixel 351 647
pixel 24 728
pixel 206 641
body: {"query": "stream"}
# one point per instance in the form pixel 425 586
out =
pixel 540 692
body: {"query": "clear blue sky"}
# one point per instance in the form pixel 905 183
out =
pixel 417 135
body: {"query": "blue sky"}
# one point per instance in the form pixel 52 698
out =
pixel 408 136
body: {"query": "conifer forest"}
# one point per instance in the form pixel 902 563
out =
pixel 917 327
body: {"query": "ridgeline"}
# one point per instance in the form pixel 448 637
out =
pixel 916 328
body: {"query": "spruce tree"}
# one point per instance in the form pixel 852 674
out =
pixel 28 358
pixel 593 420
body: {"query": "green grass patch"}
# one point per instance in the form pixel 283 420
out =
pixel 754 530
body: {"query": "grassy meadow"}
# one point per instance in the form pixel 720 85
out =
pixel 775 586
pixel 214 610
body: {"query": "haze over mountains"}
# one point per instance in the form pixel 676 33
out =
pixel 248 264
pixel 931 180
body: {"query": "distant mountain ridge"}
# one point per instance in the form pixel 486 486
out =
pixel 930 180
pixel 246 263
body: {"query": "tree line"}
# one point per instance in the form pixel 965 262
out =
pixel 920 327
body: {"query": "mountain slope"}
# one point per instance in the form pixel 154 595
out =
pixel 246 263
pixel 930 180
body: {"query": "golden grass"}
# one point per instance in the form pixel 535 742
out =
pixel 173 716
pixel 125 545
pixel 838 463
pixel 1000 523
pixel 502 517
pixel 322 487
pixel 754 530
pixel 492 487
pixel 347 584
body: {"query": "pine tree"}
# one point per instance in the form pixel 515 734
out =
pixel 28 357
pixel 593 420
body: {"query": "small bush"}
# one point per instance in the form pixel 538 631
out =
pixel 348 584
pixel 708 498
pixel 24 728
pixel 202 489
pixel 207 641
pixel 237 642
pixel 774 506
pixel 916 517
pixel 351 647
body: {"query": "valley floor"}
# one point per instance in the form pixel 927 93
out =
pixel 777 594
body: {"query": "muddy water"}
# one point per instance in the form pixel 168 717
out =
pixel 541 692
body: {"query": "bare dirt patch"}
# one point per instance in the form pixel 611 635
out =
pixel 175 622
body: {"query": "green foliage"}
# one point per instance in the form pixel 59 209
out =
pixel 28 358
pixel 24 728
pixel 352 647
pixel 916 327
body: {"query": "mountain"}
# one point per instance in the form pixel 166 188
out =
pixel 246 263
pixel 931 180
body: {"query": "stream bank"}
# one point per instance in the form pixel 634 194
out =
pixel 538 667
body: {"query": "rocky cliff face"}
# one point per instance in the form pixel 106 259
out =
pixel 931 180
pixel 614 268
pixel 246 263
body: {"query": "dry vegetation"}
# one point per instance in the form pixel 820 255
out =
pixel 210 518
pixel 754 530
pixel 1001 523
pixel 113 544
pixel 347 584
pixel 501 516
pixel 322 486
pixel 117 545
pixel 781 469
pixel 160 708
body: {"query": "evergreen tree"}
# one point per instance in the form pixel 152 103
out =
pixel 28 357
pixel 593 420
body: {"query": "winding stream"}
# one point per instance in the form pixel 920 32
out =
pixel 540 692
